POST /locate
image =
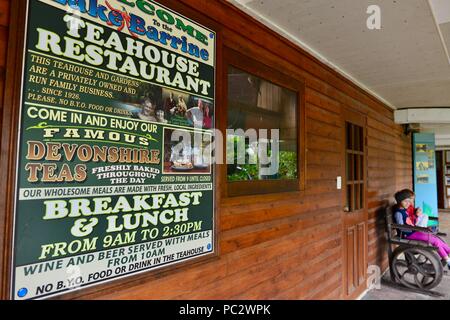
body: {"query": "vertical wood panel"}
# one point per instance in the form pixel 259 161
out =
pixel 5 214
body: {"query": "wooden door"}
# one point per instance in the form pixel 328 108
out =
pixel 355 204
pixel 440 179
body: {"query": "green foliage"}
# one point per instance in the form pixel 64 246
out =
pixel 287 169
pixel 288 165
pixel 243 175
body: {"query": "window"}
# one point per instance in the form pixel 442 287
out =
pixel 263 130
pixel 354 167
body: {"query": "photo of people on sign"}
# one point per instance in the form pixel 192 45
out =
pixel 104 190
pixel 187 110
pixel 168 106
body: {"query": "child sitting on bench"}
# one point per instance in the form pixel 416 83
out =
pixel 416 214
pixel 405 200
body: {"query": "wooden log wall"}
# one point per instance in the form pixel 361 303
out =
pixel 4 28
pixel 4 32
pixel 290 245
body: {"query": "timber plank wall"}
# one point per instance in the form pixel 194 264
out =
pixel 279 246
pixel 4 23
pixel 4 31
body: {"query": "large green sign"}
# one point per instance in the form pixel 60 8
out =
pixel 114 175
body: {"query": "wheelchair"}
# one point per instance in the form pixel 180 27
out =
pixel 413 264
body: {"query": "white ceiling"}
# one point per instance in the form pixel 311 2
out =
pixel 442 134
pixel 404 63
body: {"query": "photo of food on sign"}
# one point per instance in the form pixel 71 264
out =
pixel 186 152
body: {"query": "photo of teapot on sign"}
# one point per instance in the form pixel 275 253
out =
pixel 183 155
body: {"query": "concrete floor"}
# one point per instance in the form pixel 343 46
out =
pixel 390 291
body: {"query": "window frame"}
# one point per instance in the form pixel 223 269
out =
pixel 272 74
pixel 355 198
pixel 359 119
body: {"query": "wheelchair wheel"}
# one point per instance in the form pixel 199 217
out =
pixel 417 268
